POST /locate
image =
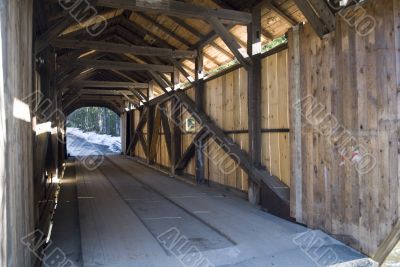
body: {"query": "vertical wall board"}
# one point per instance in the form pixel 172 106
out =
pixel 353 79
pixel 17 196
pixel 395 96
pixel 275 115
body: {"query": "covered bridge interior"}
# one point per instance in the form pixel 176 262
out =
pixel 254 133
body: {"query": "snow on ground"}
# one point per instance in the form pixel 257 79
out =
pixel 113 143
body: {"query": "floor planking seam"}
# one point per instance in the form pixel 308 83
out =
pixel 90 200
pixel 173 202
pixel 134 212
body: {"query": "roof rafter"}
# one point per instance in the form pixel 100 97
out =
pixel 111 84
pixel 122 48
pixel 312 18
pixel 230 41
pixel 179 9
pixel 120 65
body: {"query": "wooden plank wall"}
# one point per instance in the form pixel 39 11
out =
pixel 226 103
pixel 275 115
pixel 16 161
pixel 356 79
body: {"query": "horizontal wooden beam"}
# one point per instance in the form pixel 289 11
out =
pixel 178 9
pixel 111 84
pixel 100 97
pixel 123 48
pixel 120 65
pixel 105 92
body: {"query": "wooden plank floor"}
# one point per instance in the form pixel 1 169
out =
pixel 125 207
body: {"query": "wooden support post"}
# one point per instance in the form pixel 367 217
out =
pixel 150 131
pixel 199 100
pixel 254 98
pixel 176 132
pixel 295 124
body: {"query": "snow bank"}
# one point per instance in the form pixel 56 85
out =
pixel 112 142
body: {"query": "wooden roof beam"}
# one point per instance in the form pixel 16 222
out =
pixel 274 8
pixel 122 48
pixel 324 13
pixel 179 9
pixel 111 84
pixel 167 31
pixel 182 70
pixel 197 33
pixel 311 16
pixel 231 42
pixel 44 40
pixel 160 81
pixel 120 65
pixel 86 91
pixel 161 42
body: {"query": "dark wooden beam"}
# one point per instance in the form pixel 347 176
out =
pixel 199 101
pixel 388 244
pixel 190 152
pixel 182 70
pixel 160 81
pixel 80 73
pixel 176 117
pixel 230 41
pixel 324 13
pixel 224 4
pixel 131 25
pixel 111 84
pixel 139 128
pixel 274 8
pixel 150 131
pixel 122 48
pixel 277 188
pixel 159 42
pixel 209 38
pixel 143 143
pixel 254 31
pixel 140 97
pixel 167 130
pixel 119 65
pixel 179 9
pixel 167 31
pixel 311 16
pixel 44 40
pixel 104 92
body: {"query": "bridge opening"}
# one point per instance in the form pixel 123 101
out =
pixel 93 131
